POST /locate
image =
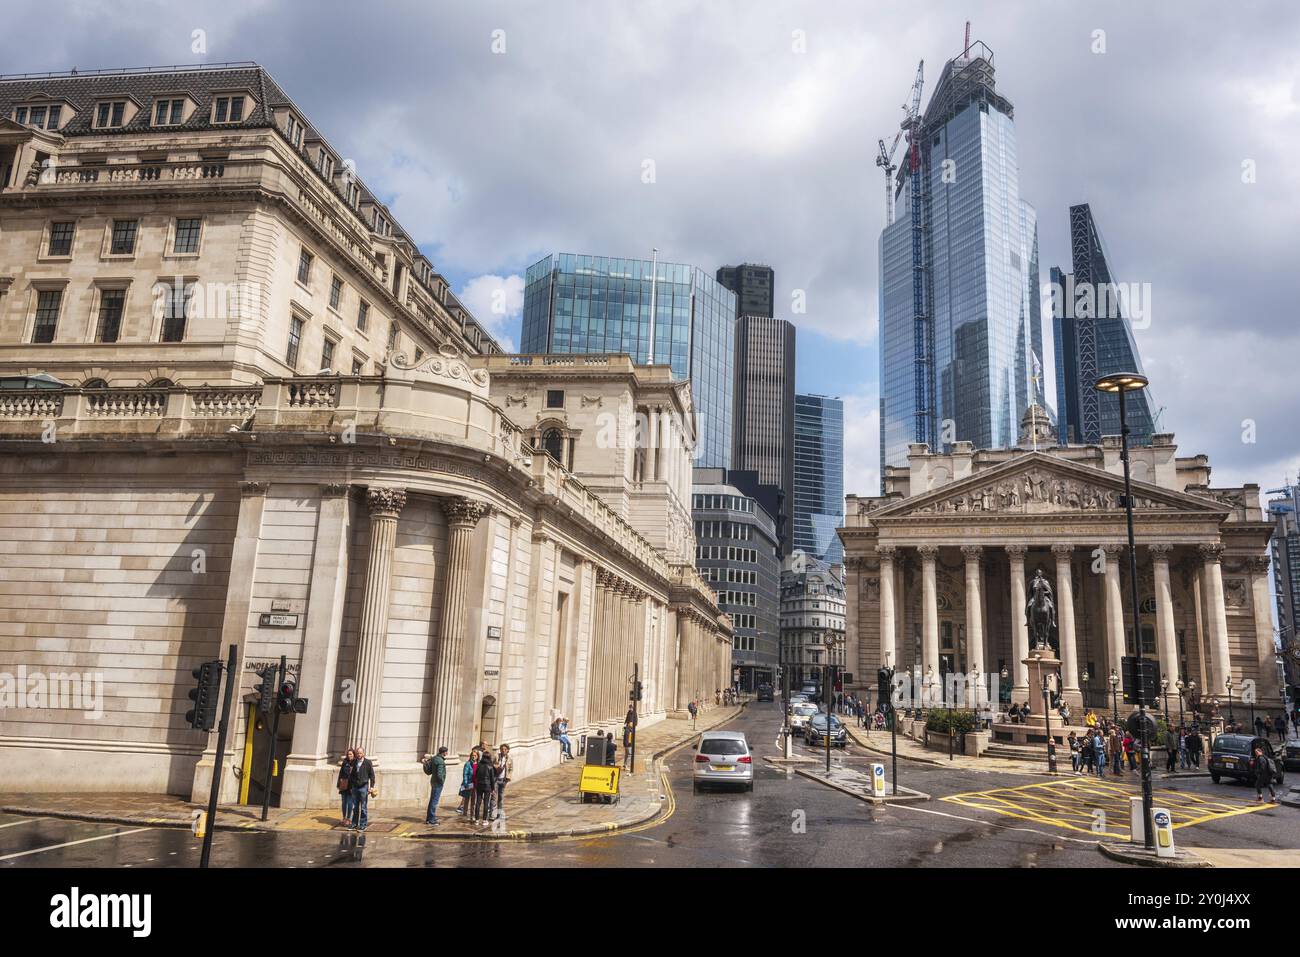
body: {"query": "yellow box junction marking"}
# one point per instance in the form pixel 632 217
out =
pixel 1072 805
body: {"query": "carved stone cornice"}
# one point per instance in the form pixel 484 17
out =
pixel 253 488
pixel 463 512
pixel 385 502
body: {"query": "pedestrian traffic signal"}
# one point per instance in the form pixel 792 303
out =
pixel 265 690
pixel 636 691
pixel 285 699
pixel 203 716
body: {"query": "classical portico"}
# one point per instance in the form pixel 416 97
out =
pixel 943 560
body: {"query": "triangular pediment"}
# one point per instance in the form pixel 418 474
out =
pixel 1037 483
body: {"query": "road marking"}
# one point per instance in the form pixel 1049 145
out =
pixel 28 820
pixel 975 820
pixel 84 840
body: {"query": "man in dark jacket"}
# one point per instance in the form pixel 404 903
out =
pixel 362 782
pixel 436 767
pixel 1262 767
pixel 611 749
pixel 485 786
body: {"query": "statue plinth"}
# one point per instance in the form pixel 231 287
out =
pixel 1041 661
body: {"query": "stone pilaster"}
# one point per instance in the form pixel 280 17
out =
pixel 1220 656
pixel 929 622
pixel 1115 643
pixel 1166 642
pixel 1019 627
pixel 974 610
pixel 888 629
pixel 1064 555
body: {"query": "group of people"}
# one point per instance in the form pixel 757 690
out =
pixel 560 733
pixel 1266 729
pixel 483 781
pixel 356 783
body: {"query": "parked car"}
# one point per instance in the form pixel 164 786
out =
pixel 764 693
pixel 812 691
pixel 815 733
pixel 723 757
pixel 1291 756
pixel 799 716
pixel 1230 756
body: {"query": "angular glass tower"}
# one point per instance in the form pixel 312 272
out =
pixel 960 325
pixel 594 304
pixel 1093 332
pixel 819 476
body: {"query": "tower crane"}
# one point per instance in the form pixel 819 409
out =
pixel 885 157
pixel 886 161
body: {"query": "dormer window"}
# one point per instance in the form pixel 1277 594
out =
pixel 325 163
pixel 293 130
pixel 169 112
pixel 110 115
pixel 228 109
pixel 43 117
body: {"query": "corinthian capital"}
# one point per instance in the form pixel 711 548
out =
pixel 1211 551
pixel 1160 551
pixel 927 552
pixel 385 502
pixel 463 511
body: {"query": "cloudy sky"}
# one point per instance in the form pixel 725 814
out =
pixel 501 131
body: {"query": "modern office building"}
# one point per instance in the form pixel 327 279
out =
pixel 960 328
pixel 763 422
pixel 659 314
pixel 1092 326
pixel 819 476
pixel 754 286
pixel 736 552
pixel 812 618
pixel 1284 510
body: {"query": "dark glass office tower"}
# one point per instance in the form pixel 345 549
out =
pixel 819 476
pixel 1092 327
pixel 960 324
pixel 754 287
pixel 763 424
pixel 595 304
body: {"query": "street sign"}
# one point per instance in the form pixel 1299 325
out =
pixel 598 779
pixel 877 780
pixel 1164 831
pixel 278 621
pixel 1143 684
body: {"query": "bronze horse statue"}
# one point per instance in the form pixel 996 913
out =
pixel 1040 611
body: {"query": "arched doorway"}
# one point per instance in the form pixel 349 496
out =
pixel 487 720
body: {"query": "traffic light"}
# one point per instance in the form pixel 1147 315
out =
pixel 265 690
pixel 286 697
pixel 636 691
pixel 203 716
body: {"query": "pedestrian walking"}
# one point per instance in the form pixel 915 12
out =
pixel 344 784
pixel 467 782
pixel 435 766
pixel 629 733
pixel 1116 751
pixel 1262 766
pixel 1171 751
pixel 1099 752
pixel 362 781
pixel 1279 725
pixel 505 771
pixel 1129 752
pixel 1073 741
pixel 485 786
pixel 611 749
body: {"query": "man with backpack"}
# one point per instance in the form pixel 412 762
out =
pixel 436 767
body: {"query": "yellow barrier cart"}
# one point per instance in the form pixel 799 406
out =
pixel 600 781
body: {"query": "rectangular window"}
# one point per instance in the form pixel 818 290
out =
pixel 123 243
pixel 168 112
pixel 230 109
pixel 327 354
pixel 47 314
pixel 304 267
pixel 358 366
pixel 52 123
pixel 20 115
pixel 187 235
pixel 555 398
pixel 61 239
pixel 363 313
pixel 336 292
pixel 295 340
pixel 111 302
pixel 38 116
pixel 108 115
pixel 176 312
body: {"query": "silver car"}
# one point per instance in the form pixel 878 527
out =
pixel 722 757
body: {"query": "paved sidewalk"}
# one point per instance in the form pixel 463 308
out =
pixel 544 805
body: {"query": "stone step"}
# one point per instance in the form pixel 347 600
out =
pixel 1019 752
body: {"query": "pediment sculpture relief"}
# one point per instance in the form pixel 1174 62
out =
pixel 1020 493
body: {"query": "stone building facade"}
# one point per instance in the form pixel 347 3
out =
pixel 430 576
pixel 813 623
pixel 937 570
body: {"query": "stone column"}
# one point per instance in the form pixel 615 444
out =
pixel 595 656
pixel 1269 693
pixel 887 617
pixel 1166 641
pixel 1064 555
pixel 974 610
pixel 463 515
pixel 321 637
pixel 1220 658
pixel 1019 627
pixel 384 504
pixel 1115 644
pixel 929 621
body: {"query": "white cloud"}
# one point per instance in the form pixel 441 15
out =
pixel 497 303
pixel 862 444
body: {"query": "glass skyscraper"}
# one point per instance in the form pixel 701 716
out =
pixel 594 304
pixel 819 476
pixel 1094 337
pixel 960 325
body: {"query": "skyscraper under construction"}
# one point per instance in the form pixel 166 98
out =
pixel 960 326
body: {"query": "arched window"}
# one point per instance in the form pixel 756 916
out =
pixel 94 384
pixel 161 384
pixel 553 444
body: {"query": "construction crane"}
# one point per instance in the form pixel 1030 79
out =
pixel 885 158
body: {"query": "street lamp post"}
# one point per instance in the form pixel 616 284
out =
pixel 1179 685
pixel 1004 675
pixel 975 692
pixel 1114 695
pixel 1121 384
pixel 1228 684
pixel 1047 722
pixel 1086 678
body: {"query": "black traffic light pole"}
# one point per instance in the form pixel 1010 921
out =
pixel 636 687
pixel 275 733
pixel 215 791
